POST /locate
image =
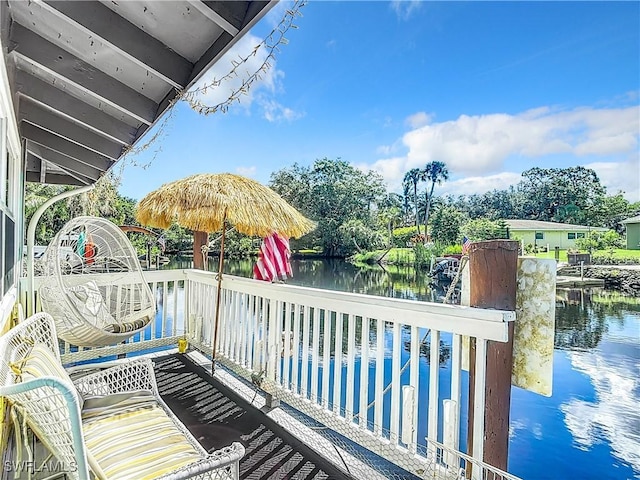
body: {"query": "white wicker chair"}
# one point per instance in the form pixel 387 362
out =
pixel 92 284
pixel 40 391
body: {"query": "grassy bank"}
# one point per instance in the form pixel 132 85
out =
pixel 396 256
pixel 406 256
pixel 602 257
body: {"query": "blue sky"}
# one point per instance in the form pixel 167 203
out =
pixel 490 88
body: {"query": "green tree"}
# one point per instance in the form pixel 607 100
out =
pixel 357 236
pixel 178 239
pixel 332 192
pixel 433 173
pixel 410 182
pixel 53 218
pixel 493 205
pixel 103 201
pixel 480 229
pixel 614 209
pixel 390 214
pixel 445 225
pixel 571 195
pixel 600 241
pixel 560 194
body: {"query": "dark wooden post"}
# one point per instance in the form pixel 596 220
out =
pixel 492 269
pixel 199 239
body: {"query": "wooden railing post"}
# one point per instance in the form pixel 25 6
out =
pixel 492 268
pixel 199 239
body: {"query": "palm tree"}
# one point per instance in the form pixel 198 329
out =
pixel 411 179
pixel 433 172
pixel 390 213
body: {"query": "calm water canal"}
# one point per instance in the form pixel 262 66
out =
pixel 590 427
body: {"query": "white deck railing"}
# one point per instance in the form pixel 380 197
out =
pixel 309 346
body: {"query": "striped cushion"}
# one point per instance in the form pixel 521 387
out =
pixel 39 361
pixel 98 407
pixel 50 419
pixel 133 441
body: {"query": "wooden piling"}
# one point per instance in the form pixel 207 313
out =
pixel 493 268
pixel 199 239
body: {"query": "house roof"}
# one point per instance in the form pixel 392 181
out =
pixel 89 78
pixel 549 226
pixel 635 219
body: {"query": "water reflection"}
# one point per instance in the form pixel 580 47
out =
pixel 335 274
pixel 603 331
pixel 583 316
pixel 590 427
pixel 613 415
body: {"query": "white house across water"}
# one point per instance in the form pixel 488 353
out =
pixel 549 234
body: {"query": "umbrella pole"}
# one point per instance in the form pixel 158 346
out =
pixel 218 297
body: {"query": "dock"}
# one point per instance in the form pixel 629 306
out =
pixel 566 281
pixel 216 416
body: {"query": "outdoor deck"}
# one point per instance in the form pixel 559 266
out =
pixel 217 416
pixel 306 346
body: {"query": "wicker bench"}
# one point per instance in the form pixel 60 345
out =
pixel 109 425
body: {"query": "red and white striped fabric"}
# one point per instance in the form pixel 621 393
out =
pixel 273 260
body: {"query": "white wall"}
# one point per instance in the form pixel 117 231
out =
pixel 553 238
pixel 11 196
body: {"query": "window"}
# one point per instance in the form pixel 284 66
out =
pixel 8 271
pixel 2 259
pixel 571 236
pixel 9 205
pixel 539 235
pixel 5 176
pixel 579 235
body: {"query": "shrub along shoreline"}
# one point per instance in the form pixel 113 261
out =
pixel 623 279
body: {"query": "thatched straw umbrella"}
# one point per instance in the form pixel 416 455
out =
pixel 208 202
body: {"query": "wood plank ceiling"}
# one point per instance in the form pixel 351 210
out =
pixel 89 78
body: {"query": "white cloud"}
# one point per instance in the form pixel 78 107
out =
pixel 261 92
pixel 246 171
pixel 516 426
pixel 275 112
pixel 405 8
pixel 391 169
pixel 619 176
pixel 613 414
pixel 471 185
pixel 479 146
pixel 418 119
pixel 384 150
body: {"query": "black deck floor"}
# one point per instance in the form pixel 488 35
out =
pixel 216 416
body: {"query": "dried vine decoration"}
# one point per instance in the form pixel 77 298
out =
pixel 133 150
pixel 271 43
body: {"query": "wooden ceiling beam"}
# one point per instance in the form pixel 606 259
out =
pixel 208 10
pixel 65 147
pixel 128 39
pixel 54 60
pixel 47 120
pixel 63 161
pixel 55 179
pixel 71 108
